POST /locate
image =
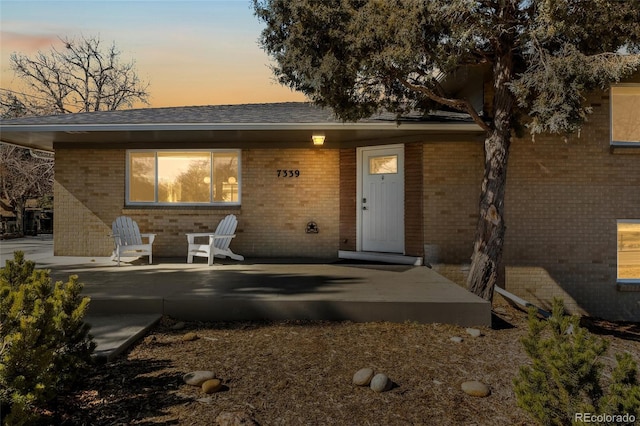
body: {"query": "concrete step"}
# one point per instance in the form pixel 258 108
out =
pixel 114 334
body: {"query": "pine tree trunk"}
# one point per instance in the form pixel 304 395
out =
pixel 489 241
pixel 487 249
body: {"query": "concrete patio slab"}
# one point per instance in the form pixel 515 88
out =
pixel 257 289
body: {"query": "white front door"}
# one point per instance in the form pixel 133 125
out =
pixel 382 200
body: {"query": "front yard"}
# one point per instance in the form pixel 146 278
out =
pixel 294 373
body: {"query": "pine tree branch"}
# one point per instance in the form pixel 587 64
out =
pixel 460 104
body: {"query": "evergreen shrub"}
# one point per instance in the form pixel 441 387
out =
pixel 566 375
pixel 45 343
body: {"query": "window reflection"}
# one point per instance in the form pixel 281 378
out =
pixel 225 167
pixel 628 250
pixel 625 119
pixel 383 164
pixel 183 177
pixel 142 175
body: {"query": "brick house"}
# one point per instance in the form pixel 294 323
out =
pixel 406 190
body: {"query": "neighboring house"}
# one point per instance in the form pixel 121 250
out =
pixel 36 220
pixel 408 188
pixel 8 223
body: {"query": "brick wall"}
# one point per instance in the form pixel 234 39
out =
pixel 90 192
pixel 452 176
pixel 413 199
pixel 348 193
pixel 275 211
pixel 88 195
pixel 562 202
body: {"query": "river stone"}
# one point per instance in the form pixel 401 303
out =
pixel 197 378
pixel 211 386
pixel 380 383
pixel 473 332
pixel 363 377
pixel 456 339
pixel 190 336
pixel 475 388
pixel 179 325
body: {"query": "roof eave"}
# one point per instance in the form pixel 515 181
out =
pixel 132 127
pixel 43 136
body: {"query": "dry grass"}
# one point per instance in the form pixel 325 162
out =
pixel 298 373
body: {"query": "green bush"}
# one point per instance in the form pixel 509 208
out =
pixel 565 375
pixel 45 343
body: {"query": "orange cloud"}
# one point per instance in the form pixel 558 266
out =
pixel 26 43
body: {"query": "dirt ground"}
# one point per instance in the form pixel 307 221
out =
pixel 300 373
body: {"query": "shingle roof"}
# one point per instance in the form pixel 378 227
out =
pixel 276 113
pixel 273 124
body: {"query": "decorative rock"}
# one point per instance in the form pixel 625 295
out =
pixel 475 388
pixel 456 339
pixel 381 383
pixel 211 386
pixel 190 336
pixel 235 418
pixel 197 378
pixel 474 332
pixel 363 377
pixel 178 326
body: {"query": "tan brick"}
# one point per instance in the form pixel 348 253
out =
pixel 90 194
pixel 562 202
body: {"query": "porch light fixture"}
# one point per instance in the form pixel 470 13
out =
pixel 318 139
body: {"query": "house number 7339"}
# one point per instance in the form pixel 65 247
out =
pixel 288 173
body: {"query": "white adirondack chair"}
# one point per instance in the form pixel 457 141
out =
pixel 218 242
pixel 128 239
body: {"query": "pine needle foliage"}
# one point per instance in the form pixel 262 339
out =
pixel 565 376
pixel 45 343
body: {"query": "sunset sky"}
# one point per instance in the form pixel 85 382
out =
pixel 200 52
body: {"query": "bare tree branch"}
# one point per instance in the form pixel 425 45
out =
pixel 80 77
pixel 22 177
pixel 83 76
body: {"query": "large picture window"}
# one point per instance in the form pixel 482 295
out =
pixel 629 251
pixel 183 177
pixel 625 119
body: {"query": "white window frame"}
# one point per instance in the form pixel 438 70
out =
pixel 238 152
pixel 624 280
pixel 613 142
